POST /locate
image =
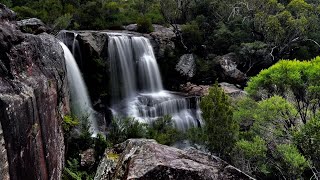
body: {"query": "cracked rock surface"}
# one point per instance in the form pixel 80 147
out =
pixel 33 99
pixel 146 159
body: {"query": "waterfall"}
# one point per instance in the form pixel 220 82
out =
pixel 123 77
pixel 80 101
pixel 137 85
pixel 149 73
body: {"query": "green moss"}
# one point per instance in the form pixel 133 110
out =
pixel 112 156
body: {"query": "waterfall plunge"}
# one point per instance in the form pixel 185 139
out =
pixel 80 101
pixel 137 86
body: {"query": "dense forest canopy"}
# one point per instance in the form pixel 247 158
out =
pixel 258 31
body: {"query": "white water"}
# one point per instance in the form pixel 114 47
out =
pixel 80 101
pixel 137 86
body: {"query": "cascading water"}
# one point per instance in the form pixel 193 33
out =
pixel 137 85
pixel 80 101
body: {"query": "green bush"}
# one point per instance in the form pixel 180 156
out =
pixel 69 122
pixel 220 130
pixel 293 161
pixel 307 138
pixel 100 144
pixel 63 22
pixel 144 25
pixel 163 131
pixel 250 156
pixel 192 35
pixel 122 129
pixel 24 12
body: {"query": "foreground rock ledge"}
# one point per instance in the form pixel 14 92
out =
pixel 146 159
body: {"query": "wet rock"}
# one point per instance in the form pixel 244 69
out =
pixel 229 71
pixel 33 26
pixel 33 99
pixel 146 159
pixel 194 90
pixel 187 65
pixel 87 158
pixel 232 90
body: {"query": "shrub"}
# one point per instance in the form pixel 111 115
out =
pixel 220 130
pixel 293 162
pixel 69 122
pixel 163 131
pixel 250 156
pixel 144 25
pixel 122 129
pixel 308 140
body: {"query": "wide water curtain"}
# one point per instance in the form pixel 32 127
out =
pixel 137 89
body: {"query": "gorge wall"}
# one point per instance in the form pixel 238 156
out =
pixel 4 166
pixel 33 99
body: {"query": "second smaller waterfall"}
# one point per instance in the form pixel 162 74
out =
pixel 80 101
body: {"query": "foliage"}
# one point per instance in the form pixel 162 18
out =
pixel 192 35
pixel 293 161
pixel 144 25
pixel 266 123
pixel 122 129
pixel 163 131
pixel 307 138
pixel 250 155
pixel 63 21
pixel 72 171
pixel 220 130
pixel 297 80
pixel 69 122
pixel 254 55
pixel 100 144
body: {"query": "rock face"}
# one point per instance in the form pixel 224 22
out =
pixel 187 65
pixel 146 159
pixel 33 99
pixel 4 165
pixel 229 71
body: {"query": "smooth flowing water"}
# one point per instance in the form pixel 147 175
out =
pixel 137 85
pixel 80 101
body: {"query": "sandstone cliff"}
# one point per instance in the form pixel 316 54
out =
pixel 33 99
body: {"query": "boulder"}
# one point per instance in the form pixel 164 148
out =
pixel 187 65
pixel 194 90
pixel 232 90
pixel 34 97
pixel 162 39
pixel 32 25
pixel 146 159
pixel 131 27
pixel 229 71
pixel 87 158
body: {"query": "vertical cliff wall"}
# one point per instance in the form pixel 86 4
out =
pixel 4 165
pixel 33 99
